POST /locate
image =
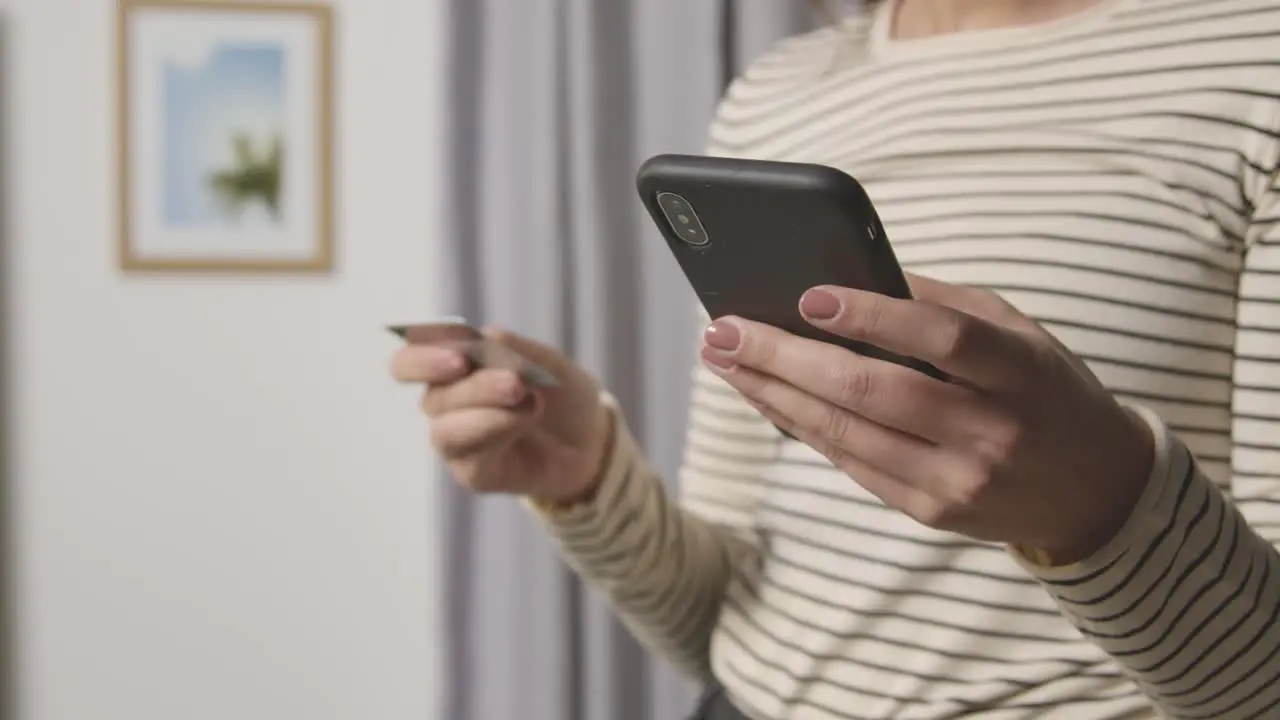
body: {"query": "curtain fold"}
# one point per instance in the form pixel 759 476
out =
pixel 552 107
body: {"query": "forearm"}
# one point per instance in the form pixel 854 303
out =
pixel 664 569
pixel 1186 597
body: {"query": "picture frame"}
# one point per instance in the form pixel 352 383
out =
pixel 225 121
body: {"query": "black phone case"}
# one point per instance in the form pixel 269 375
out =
pixel 775 229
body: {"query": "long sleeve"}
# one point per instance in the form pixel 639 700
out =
pixel 1187 597
pixel 665 566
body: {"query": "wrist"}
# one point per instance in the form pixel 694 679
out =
pixel 1132 467
pixel 584 491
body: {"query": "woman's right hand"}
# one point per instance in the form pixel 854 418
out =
pixel 498 435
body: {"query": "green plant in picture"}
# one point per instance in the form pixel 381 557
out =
pixel 255 175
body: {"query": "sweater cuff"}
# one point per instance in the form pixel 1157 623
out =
pixel 619 484
pixel 1150 519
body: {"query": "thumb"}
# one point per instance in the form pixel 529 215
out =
pixel 965 298
pixel 548 357
pixel 994 309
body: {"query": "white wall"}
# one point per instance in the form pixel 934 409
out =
pixel 222 500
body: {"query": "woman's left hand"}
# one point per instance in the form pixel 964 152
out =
pixel 1023 445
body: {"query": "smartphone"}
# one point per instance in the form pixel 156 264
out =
pixel 752 236
pixel 479 351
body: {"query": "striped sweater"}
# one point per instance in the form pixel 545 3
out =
pixel 1114 175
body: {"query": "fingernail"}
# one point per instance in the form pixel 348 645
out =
pixel 722 336
pixel 447 362
pixel 710 355
pixel 819 305
pixel 515 392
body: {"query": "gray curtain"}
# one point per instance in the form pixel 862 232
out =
pixel 554 105
pixel 8 556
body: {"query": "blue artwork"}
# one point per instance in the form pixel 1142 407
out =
pixel 223 138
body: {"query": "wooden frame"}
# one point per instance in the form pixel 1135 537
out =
pixel 318 221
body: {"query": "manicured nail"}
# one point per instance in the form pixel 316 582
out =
pixel 447 361
pixel 722 336
pixel 515 391
pixel 712 356
pixel 819 305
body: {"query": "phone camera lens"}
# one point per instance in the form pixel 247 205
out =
pixel 683 220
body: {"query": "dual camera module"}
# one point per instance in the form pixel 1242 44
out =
pixel 682 219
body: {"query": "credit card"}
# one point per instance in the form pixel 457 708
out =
pixel 480 351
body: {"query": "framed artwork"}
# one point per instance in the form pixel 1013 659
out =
pixel 226 136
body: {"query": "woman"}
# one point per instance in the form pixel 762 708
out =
pixel 1082 533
